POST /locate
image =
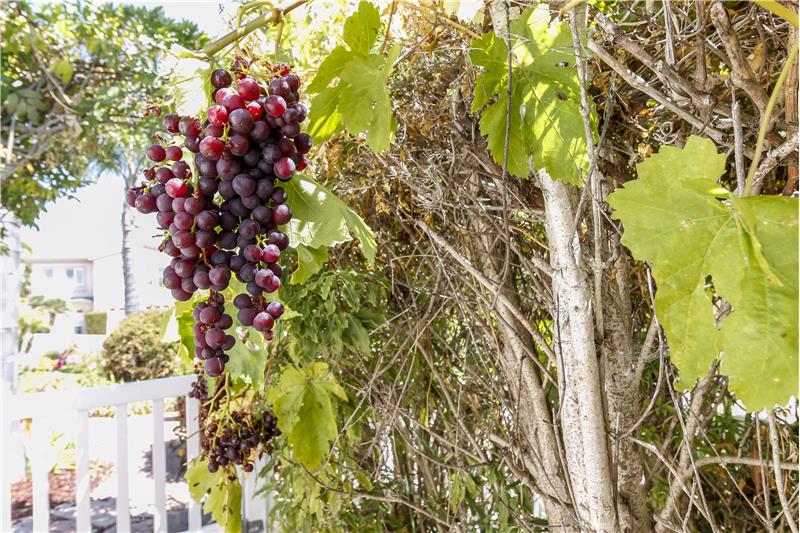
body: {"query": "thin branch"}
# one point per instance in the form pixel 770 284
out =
pixel 776 466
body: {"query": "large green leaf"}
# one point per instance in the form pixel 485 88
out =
pixel 199 479
pixel 224 503
pixel 702 240
pixel 359 102
pixel 191 82
pixel 320 220
pixel 545 119
pixel 302 402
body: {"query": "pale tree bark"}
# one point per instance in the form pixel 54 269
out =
pixel 130 169
pixel 128 276
pixel 583 423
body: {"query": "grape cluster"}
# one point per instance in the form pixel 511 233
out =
pixel 235 441
pixel 222 215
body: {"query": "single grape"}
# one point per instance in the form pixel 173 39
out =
pixel 217 116
pixel 164 218
pixel 221 94
pixel 275 309
pixel 163 175
pixel 260 131
pixel 170 122
pixel 176 188
pixel 270 253
pixel 145 203
pixel 242 301
pixel 183 220
pixel 279 196
pixel 244 185
pixel 250 228
pixel 263 278
pixel 238 144
pixel 263 321
pixel 284 168
pixel 181 170
pixel 293 81
pixel 212 130
pixel 215 337
pixel 275 105
pixel 303 143
pixel 280 87
pixel 212 148
pixel 220 275
pixel 232 102
pixel 255 110
pixel 193 206
pixel 174 153
pixel 227 168
pixel 189 127
pixel 248 88
pixel 246 315
pixel 281 215
pixel 209 316
pixel 241 121
pixel 214 367
pixel 252 253
pixel 221 78
pixel 181 295
pixel 279 239
pixel 156 153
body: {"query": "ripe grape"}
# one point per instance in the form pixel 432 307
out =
pixel 284 168
pixel 212 148
pixel 248 88
pixel 241 121
pixel 217 116
pixel 156 153
pixel 174 153
pixel 275 105
pixel 221 78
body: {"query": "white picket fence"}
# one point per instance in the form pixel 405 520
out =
pixel 40 407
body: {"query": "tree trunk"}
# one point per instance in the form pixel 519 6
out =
pixel 128 276
pixel 583 423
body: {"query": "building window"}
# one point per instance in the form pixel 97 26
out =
pixel 48 272
pixel 78 274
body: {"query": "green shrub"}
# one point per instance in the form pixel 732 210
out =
pixel 134 351
pixel 95 323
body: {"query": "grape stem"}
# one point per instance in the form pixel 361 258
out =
pixel 273 17
pixel 219 391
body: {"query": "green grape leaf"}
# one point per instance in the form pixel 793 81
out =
pixel 545 119
pixel 361 29
pixel 190 79
pixel 698 237
pixel 200 480
pixel 359 102
pixel 309 262
pixel 320 219
pixel 224 503
pixel 248 357
pixel 64 70
pixel 302 401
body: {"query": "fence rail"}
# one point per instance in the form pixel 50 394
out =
pixel 40 407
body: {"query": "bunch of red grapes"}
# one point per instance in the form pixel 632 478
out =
pixel 222 217
pixel 236 438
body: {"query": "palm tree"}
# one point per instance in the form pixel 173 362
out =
pixel 129 167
